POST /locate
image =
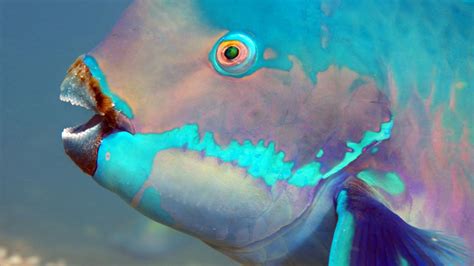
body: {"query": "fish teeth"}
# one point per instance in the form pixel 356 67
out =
pixel 69 134
pixel 77 93
pixel 73 101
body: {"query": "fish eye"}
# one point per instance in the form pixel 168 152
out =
pixel 234 55
pixel 231 52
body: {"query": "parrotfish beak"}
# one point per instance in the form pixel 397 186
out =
pixel 84 86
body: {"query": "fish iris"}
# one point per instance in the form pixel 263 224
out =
pixel 231 52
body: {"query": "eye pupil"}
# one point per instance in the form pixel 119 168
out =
pixel 231 52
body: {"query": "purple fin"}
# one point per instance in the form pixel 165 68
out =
pixel 381 237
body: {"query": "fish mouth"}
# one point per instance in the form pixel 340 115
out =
pixel 81 142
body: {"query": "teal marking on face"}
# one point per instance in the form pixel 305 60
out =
pixel 308 175
pixel 135 154
pixel 357 148
pixel 149 205
pixel 121 169
pixel 390 182
pixel 344 233
pixel 374 150
pixel 97 73
pixel 320 153
pixel 259 160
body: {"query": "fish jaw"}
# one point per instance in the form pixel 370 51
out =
pixel 217 201
pixel 82 88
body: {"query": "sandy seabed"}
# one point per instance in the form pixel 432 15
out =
pixel 15 259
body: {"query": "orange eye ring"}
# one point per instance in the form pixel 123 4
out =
pixel 222 53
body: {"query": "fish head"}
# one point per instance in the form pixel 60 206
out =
pixel 223 131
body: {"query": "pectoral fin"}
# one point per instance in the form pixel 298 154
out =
pixel 369 233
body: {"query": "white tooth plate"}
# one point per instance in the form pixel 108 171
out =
pixel 68 133
pixel 75 92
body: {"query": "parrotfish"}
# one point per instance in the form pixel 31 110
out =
pixel 288 132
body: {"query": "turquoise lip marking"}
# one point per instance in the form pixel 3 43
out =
pixel 134 154
pixel 120 105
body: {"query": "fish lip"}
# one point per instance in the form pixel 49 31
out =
pixel 81 143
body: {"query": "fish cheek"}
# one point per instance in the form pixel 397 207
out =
pixel 126 166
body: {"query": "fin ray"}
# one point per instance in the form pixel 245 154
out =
pixel 380 237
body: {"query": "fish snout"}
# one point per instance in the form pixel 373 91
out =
pixel 84 86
